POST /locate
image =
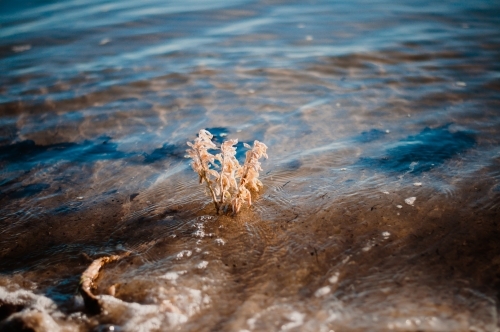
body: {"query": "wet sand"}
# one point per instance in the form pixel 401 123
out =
pixel 326 262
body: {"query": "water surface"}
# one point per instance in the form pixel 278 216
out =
pixel 363 105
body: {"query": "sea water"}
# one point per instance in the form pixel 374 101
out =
pixel 381 196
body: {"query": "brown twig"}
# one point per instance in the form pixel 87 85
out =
pixel 87 282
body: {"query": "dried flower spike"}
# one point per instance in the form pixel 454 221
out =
pixel 249 175
pixel 229 168
pixel 202 160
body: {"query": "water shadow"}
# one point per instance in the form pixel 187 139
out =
pixel 422 152
pixel 167 151
pixel 369 136
pixel 29 153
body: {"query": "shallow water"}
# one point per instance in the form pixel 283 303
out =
pixel 363 105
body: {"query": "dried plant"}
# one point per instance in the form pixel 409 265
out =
pixel 202 160
pixel 227 184
pixel 249 175
pixel 232 185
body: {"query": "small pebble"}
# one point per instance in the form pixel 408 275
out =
pixel 410 200
pixel 334 279
pixel 322 291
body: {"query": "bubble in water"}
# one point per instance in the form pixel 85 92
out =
pixel 183 253
pixel 202 265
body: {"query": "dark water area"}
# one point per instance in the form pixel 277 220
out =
pixel 425 150
pixel 380 208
